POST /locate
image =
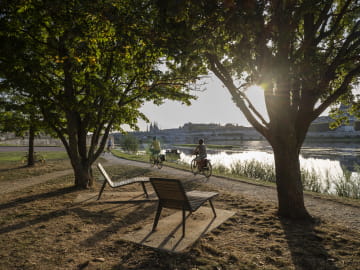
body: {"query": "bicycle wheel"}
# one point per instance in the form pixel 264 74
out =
pixel 152 162
pixel 193 166
pixel 159 164
pixel 207 170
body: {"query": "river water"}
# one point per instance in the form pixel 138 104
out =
pixel 327 160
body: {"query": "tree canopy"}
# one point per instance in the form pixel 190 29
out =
pixel 89 66
pixel 303 53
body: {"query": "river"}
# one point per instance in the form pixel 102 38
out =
pixel 327 160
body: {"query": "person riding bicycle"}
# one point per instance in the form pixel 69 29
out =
pixel 200 152
pixel 155 148
pixel 109 145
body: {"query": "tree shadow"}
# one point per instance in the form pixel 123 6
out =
pixel 306 247
pixel 22 166
pixel 36 197
pixel 37 220
pixel 139 214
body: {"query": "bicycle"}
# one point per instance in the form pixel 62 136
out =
pixel 204 167
pixel 157 160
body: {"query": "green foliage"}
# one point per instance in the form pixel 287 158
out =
pixel 87 65
pixel 304 54
pixel 18 155
pixel 129 143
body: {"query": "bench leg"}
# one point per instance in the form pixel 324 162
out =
pixel 212 207
pixel 102 189
pixel 157 216
pixel 183 223
pixel 144 188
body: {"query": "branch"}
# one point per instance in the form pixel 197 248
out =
pixel 103 140
pixel 238 97
pixel 340 57
pixel 339 17
pixel 340 91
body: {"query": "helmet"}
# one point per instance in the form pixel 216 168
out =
pixel 201 141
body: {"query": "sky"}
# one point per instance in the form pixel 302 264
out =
pixel 214 105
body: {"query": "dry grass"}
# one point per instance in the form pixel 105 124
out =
pixel 42 228
pixel 17 170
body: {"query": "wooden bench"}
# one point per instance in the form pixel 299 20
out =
pixel 172 194
pixel 141 180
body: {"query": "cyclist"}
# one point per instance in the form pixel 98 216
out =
pixel 109 145
pixel 155 148
pixel 200 152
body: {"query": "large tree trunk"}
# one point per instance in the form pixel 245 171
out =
pixel 288 181
pixel 83 175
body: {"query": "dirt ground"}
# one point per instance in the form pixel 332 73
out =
pixel 331 208
pixel 42 227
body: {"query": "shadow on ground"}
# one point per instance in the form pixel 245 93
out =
pixel 306 247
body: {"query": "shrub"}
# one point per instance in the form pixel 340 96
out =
pixel 129 144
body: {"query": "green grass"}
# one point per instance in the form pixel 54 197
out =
pixel 19 155
pixel 12 167
pixel 136 157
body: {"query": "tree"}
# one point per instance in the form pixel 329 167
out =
pixel 304 53
pixel 19 116
pixel 129 143
pixel 89 66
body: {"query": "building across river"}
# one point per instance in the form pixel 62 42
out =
pixel 231 134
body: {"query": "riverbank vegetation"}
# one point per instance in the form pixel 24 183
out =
pixel 345 185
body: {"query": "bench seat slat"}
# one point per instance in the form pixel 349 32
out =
pixel 115 184
pixel 130 181
pixel 172 195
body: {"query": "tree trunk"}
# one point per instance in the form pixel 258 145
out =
pixel 288 181
pixel 83 175
pixel 30 156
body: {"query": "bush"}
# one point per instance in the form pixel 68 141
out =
pixel 129 144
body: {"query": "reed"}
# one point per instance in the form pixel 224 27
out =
pixel 349 184
pixel 310 181
pixel 254 169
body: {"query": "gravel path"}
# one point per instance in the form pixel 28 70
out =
pixel 347 215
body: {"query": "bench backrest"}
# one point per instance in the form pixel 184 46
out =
pixel 171 193
pixel 106 176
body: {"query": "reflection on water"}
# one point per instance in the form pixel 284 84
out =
pixel 326 160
